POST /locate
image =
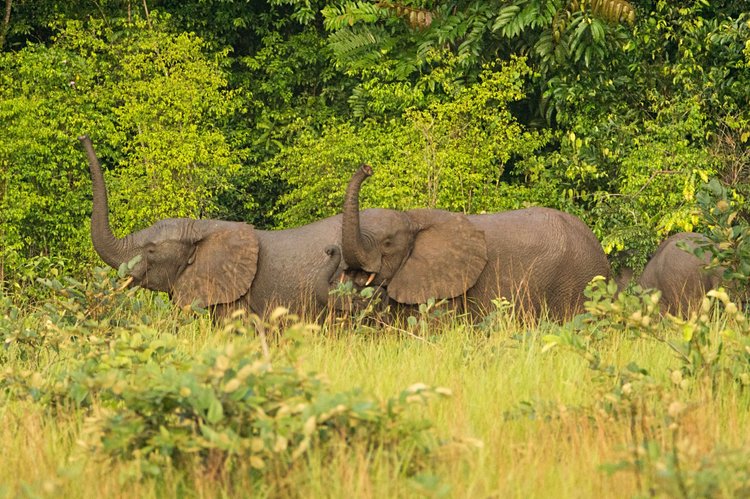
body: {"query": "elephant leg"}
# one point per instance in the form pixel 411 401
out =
pixel 225 311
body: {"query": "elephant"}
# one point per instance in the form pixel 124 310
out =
pixel 539 258
pixel 222 265
pixel 680 275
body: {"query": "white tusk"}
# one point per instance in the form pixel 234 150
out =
pixel 342 277
pixel 126 283
pixel 369 279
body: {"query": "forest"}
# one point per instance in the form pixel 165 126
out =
pixel 632 115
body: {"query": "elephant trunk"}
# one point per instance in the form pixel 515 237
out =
pixel 324 279
pixel 354 250
pixel 112 250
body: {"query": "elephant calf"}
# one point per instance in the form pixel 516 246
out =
pixel 679 274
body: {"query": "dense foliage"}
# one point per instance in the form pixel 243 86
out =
pixel 149 401
pixel 127 387
pixel 614 110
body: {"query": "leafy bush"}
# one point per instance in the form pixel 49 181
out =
pixel 705 354
pixel 729 237
pixel 149 402
pixel 448 154
pixel 632 311
pixel 713 350
pixel 153 102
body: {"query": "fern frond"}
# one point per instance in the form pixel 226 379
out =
pixel 613 11
pixel 507 21
pixel 513 19
pixel 351 44
pixel 348 14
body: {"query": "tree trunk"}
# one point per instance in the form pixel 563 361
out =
pixel 6 23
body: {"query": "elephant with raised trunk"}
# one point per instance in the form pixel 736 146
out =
pixel 539 258
pixel 219 264
pixel 680 275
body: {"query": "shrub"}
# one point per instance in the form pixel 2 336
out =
pixel 449 154
pixel 712 348
pixel 150 403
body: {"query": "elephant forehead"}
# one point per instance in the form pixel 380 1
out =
pixel 170 229
pixel 382 221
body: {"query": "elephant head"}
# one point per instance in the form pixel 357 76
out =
pixel 211 262
pixel 416 254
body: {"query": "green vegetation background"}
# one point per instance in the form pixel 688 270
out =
pixel 259 111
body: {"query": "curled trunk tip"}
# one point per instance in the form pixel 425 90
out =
pixel 86 141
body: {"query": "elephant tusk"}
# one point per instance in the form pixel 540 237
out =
pixel 342 277
pixel 369 279
pixel 126 283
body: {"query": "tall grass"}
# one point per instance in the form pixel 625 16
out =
pixel 493 377
pixel 523 420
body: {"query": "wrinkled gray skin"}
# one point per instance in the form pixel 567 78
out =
pixel 679 274
pixel 222 265
pixel 536 257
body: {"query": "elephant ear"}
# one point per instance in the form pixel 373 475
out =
pixel 448 255
pixel 222 267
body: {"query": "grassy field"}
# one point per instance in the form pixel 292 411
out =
pixel 522 419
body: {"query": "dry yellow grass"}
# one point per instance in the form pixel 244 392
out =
pixel 492 448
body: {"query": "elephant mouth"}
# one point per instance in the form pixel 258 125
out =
pixel 370 278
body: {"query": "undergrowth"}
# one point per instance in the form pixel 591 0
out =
pixel 164 397
pixel 248 406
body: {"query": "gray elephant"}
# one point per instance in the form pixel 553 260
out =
pixel 679 274
pixel 219 264
pixel 537 257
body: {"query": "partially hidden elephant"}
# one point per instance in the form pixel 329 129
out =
pixel 680 275
pixel 220 264
pixel 539 258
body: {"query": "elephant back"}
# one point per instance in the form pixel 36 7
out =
pixel 540 258
pixel 679 274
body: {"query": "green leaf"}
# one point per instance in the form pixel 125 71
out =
pixel 215 411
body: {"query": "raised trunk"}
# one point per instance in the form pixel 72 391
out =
pixel 112 250
pixel 354 250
